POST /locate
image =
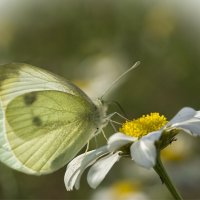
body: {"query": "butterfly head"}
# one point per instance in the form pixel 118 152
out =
pixel 101 117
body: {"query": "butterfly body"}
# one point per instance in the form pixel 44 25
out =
pixel 44 119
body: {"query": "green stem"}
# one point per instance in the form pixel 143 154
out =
pixel 159 168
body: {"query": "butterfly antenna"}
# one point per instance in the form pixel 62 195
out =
pixel 120 108
pixel 119 78
pixel 116 103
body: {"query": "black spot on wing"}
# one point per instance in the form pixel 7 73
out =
pixel 30 98
pixel 37 121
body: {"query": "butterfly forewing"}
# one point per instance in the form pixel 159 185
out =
pixel 20 78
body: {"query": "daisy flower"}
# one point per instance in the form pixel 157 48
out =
pixel 141 140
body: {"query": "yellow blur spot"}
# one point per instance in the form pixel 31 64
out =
pixel 124 188
pixel 160 22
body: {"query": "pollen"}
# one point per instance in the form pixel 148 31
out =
pixel 143 125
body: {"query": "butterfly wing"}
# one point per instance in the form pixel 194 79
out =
pixel 20 78
pixel 44 120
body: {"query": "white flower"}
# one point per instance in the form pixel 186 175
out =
pixel 142 149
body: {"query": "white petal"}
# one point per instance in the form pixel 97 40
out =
pixel 77 166
pixel 191 126
pixel 143 152
pixel 99 170
pixel 188 120
pixel 118 140
pixel 183 115
pixel 197 115
pixel 154 136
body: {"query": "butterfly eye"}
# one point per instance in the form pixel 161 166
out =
pixel 97 131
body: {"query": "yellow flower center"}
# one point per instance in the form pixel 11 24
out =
pixel 143 125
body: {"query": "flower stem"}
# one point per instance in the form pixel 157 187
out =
pixel 159 168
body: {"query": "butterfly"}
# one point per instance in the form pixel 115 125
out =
pixel 44 119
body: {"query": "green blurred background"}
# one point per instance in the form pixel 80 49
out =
pixel 91 42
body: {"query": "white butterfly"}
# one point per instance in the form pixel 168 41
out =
pixel 44 119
